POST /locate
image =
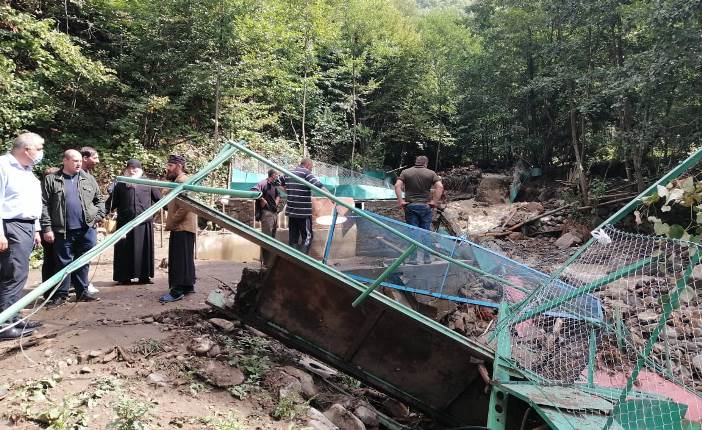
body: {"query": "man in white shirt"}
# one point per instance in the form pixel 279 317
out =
pixel 20 210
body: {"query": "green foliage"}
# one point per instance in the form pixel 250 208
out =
pixel 289 407
pixel 131 414
pixel 685 194
pixel 229 422
pixel 363 83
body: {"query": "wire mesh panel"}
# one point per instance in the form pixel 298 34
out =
pixel 644 355
pixel 424 274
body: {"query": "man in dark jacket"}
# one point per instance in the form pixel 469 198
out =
pixel 134 254
pixel 71 206
pixel 267 209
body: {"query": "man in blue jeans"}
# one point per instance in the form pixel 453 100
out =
pixel 419 202
pixel 71 207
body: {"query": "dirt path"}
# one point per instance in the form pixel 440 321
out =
pixel 57 381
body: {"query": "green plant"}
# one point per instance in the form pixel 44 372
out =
pixel 229 422
pixel 683 193
pixel 289 407
pixel 69 415
pixel 147 347
pixel 131 414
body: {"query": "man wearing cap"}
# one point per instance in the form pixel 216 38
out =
pixel 181 244
pixel 20 210
pixel 134 254
pixel 419 202
pixel 266 208
pixel 71 208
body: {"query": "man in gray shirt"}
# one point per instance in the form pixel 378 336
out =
pixel 419 202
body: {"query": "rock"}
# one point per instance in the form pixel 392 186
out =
pixel 110 356
pixel 221 375
pixel 148 320
pixel 367 415
pixel 318 421
pixel 343 419
pixel 647 317
pixel 202 345
pixel 62 364
pixel 214 351
pixel 309 390
pixel 157 379
pixel 395 408
pixel 94 354
pixel 567 240
pixel 697 363
pixel 83 357
pixel 225 325
pixel 86 370
pixel 697 273
pixel 49 352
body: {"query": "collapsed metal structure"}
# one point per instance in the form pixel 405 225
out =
pixel 341 319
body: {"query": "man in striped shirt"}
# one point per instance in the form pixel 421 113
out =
pixel 299 205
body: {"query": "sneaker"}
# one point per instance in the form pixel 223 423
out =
pixel 190 290
pixel 86 297
pixel 29 325
pixel 92 289
pixel 55 302
pixel 168 298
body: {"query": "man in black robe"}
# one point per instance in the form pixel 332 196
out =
pixel 134 254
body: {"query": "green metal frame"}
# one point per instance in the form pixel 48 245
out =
pixel 227 151
pixel 387 272
pixel 499 398
pixel 196 188
pixel 379 223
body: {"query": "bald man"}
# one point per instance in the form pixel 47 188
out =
pixel 71 207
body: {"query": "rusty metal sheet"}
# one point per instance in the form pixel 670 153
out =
pixel 569 398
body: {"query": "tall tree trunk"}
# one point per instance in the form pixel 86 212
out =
pixel 217 97
pixel 582 181
pixel 353 109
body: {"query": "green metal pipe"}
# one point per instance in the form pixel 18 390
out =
pixel 668 307
pixel 592 357
pixel 223 156
pixel 195 188
pixel 387 272
pixel 375 221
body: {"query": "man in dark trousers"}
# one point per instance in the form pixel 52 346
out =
pixel 181 244
pixel 20 210
pixel 419 202
pixel 267 209
pixel 71 208
pixel 134 254
pixel 299 206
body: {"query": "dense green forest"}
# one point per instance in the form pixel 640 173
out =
pixel 362 83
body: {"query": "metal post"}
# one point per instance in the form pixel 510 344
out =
pixel 384 275
pixel 448 266
pixel 497 412
pixel 330 236
pixel 187 187
pixel 592 357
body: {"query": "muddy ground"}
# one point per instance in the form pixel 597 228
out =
pixel 128 360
